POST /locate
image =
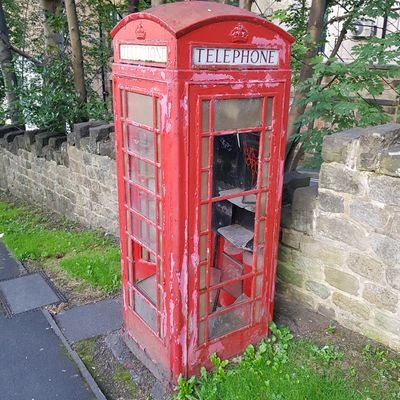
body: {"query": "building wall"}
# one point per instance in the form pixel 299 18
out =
pixel 340 247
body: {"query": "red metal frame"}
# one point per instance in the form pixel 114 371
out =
pixel 168 246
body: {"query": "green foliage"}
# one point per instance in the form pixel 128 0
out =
pixel 86 255
pixel 280 368
pixel 327 354
pixel 341 95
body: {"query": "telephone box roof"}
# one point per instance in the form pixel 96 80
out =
pixel 182 17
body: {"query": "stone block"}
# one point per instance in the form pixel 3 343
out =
pixel 393 277
pixel 106 148
pixel 330 202
pixel 381 297
pixel 319 289
pixel 292 238
pixel 288 274
pixel 10 128
pixel 366 266
pixel 389 163
pixel 366 213
pixel 81 130
pixel 339 178
pixel 64 157
pixel 388 322
pixel 386 248
pixel 42 140
pixel 98 134
pixel 376 333
pixel 330 255
pixel 335 147
pixel 348 304
pixel 342 230
pixel 285 254
pixel 373 142
pixel 342 280
pixel 327 311
pixel 384 189
pixel 304 204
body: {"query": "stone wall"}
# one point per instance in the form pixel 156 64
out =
pixel 74 176
pixel 340 244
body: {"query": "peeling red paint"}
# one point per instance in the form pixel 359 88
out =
pixel 170 334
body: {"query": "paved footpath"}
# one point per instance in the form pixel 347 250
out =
pixel 36 362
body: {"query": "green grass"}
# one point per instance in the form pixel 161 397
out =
pixel 87 255
pixel 283 369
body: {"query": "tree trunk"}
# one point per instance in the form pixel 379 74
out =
pixel 53 37
pixel 246 4
pixel 315 30
pixel 76 45
pixel 7 69
pixel 133 6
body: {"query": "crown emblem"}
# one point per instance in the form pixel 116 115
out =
pixel 239 34
pixel 140 32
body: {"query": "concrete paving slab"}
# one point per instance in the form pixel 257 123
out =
pixel 34 364
pixel 9 267
pixel 27 293
pixel 91 320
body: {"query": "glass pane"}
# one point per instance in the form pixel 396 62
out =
pixel 235 163
pixel 264 175
pixel 263 203
pixel 157 113
pixel 123 94
pixel 260 259
pixel 261 231
pixel 205 116
pixel 202 305
pixel 158 138
pixel 142 173
pixel 257 311
pixel 159 178
pixel 159 214
pixel 141 142
pixel 259 284
pixel 143 203
pixel 203 276
pixel 203 247
pixel 268 117
pixel 202 332
pixel 144 232
pixel 140 108
pixel 203 217
pixel 230 321
pixel 267 145
pixel 237 113
pixel 145 311
pixel 204 186
pixel 148 285
pixel 204 152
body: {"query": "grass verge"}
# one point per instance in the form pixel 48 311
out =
pixel 283 369
pixel 33 235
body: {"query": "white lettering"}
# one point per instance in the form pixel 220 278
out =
pixel 226 56
pixel 139 52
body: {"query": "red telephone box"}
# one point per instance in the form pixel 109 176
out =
pixel 201 93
